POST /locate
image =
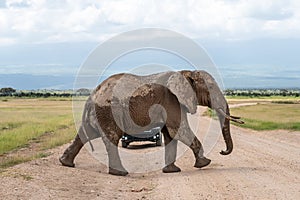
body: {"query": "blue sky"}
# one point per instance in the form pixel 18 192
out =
pixel 253 43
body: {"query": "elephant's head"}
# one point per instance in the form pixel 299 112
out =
pixel 207 93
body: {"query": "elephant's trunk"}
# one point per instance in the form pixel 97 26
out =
pixel 225 119
pixel 225 125
pixel 227 137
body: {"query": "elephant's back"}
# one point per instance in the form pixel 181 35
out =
pixel 102 95
pixel 123 86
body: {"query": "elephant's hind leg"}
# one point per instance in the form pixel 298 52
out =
pixel 170 152
pixel 114 161
pixel 67 159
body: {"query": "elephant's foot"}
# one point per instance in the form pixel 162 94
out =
pixel 117 172
pixel 67 159
pixel 171 168
pixel 66 162
pixel 202 162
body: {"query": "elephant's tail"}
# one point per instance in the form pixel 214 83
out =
pixel 84 137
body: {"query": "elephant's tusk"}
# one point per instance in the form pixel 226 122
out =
pixel 234 117
pixel 231 118
pixel 237 121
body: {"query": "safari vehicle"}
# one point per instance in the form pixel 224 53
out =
pixel 153 135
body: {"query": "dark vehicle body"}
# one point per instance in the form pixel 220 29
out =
pixel 153 135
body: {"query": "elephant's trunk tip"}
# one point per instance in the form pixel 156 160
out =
pixel 226 152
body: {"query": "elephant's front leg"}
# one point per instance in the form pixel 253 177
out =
pixel 186 135
pixel 114 161
pixel 197 148
pixel 170 152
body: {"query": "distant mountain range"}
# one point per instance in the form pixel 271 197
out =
pixel 34 82
pixel 65 82
pixel 257 63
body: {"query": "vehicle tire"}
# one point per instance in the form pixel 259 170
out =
pixel 158 141
pixel 124 144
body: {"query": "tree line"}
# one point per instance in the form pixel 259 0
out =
pixel 86 92
pixel 11 92
pixel 262 92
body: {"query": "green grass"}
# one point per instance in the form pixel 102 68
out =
pixel 58 138
pixel 9 125
pixel 270 116
pixel 269 125
pixel 37 126
pixel 39 123
pixel 14 161
pixel 17 159
pixel 24 120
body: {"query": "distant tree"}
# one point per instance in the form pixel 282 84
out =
pixel 7 91
pixel 47 94
pixel 83 91
pixel 284 92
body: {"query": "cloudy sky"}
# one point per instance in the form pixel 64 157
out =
pixel 46 37
pixel 48 21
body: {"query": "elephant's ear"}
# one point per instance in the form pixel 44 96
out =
pixel 184 92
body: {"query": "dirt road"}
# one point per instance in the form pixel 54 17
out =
pixel 263 165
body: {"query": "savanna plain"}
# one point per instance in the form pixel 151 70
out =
pixel 263 165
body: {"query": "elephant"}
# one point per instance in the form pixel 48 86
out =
pixel 128 103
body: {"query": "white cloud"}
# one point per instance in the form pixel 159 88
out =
pixel 42 21
pixel 5 41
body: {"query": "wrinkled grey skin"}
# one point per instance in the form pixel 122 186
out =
pixel 129 103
